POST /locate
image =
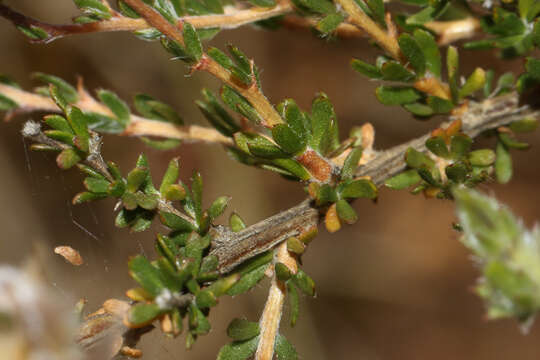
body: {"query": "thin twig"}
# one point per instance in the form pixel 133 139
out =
pixel 137 126
pixel 233 18
pixel 273 309
pixel 364 22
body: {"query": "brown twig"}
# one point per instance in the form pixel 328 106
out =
pixel 137 126
pixel 273 309
pixel 230 20
pixel 447 31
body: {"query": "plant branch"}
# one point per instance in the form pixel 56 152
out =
pixel 357 17
pixel 273 309
pixel 447 31
pixel 234 248
pixel 137 126
pixel 233 18
pixel 269 115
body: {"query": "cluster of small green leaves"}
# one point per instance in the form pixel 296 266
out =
pixel 245 335
pixel 514 28
pixel 329 16
pixel 317 131
pixel 417 81
pixel 346 189
pixel 145 105
pixel 507 253
pixel 430 10
pixel 461 166
pixel 184 281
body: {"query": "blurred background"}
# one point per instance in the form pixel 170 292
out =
pixel 397 285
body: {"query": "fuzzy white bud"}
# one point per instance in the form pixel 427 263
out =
pixel 31 128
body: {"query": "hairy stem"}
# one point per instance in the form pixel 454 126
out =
pixel 230 20
pixel 137 126
pixel 364 22
pixel 273 309
pixel 269 115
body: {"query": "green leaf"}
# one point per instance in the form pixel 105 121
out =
pixel 282 271
pixel 391 95
pixel 330 23
pixel 218 207
pixel 7 104
pixel 58 122
pixel 452 63
pixel 358 189
pixel 503 164
pixel 93 7
pixel 366 69
pixel 67 158
pixel 96 185
pixel 287 139
pixel 175 222
pixel 438 147
pixel 146 201
pixel 148 276
pixel 192 41
pixel 413 52
pixel 512 143
pixel 65 90
pixel 238 103
pixel 322 119
pixel 263 3
pixel 394 71
pixel 416 159
pixel 236 223
pixel 351 163
pixel 439 105
pixel 33 32
pixel 483 157
pixel 524 126
pixel 460 145
pixel 377 10
pixel 77 121
pixel 533 68
pixel 429 47
pixel 457 172
pixel 304 283
pixel 284 350
pixel 293 301
pixel 248 281
pixel 162 145
pixel 403 180
pixel 474 83
pixel 346 212
pixel 295 246
pixel 262 147
pixel 296 119
pixel 153 109
pixel 419 109
pixel 116 105
pixel 171 175
pixel 489 228
pixel 136 178
pixel 141 315
pixel 64 137
pixel 242 329
pixel 86 197
pixel 238 350
pixel 319 6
